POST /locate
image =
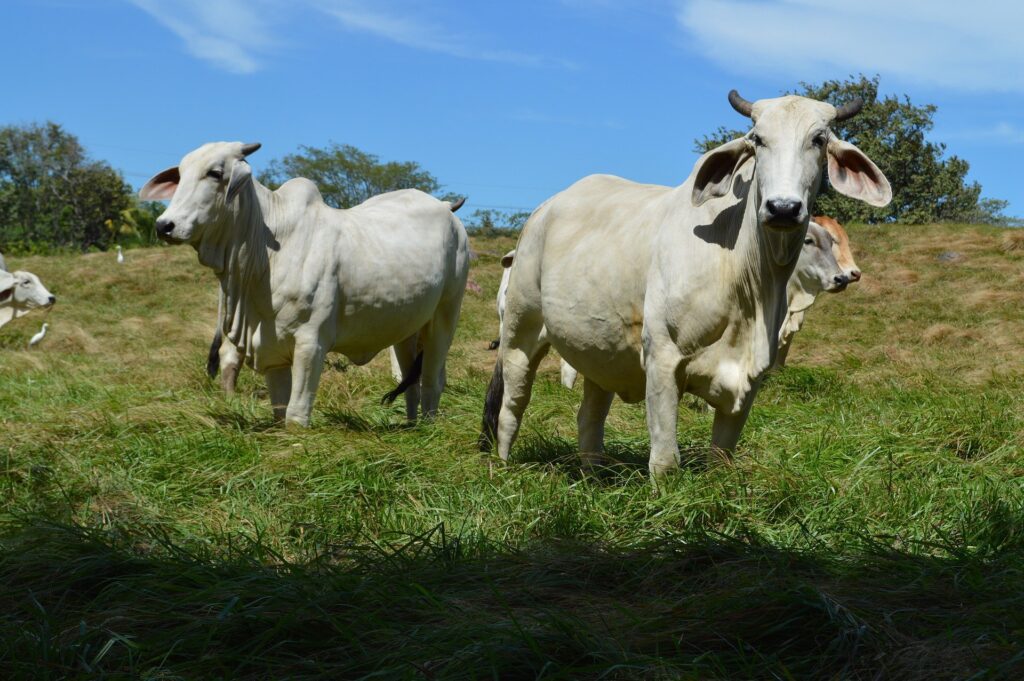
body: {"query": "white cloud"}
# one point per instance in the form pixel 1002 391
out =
pixel 969 46
pixel 235 35
pixel 1001 133
pixel 400 23
pixel 230 34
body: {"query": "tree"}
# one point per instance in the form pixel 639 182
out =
pixel 493 222
pixel 52 194
pixel 347 176
pixel 927 186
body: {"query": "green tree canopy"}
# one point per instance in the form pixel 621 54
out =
pixel 927 185
pixel 346 175
pixel 53 195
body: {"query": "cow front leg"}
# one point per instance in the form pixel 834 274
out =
pixel 307 366
pixel 662 394
pixel 279 385
pixel 592 415
pixel 230 363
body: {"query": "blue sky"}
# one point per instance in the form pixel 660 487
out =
pixel 506 102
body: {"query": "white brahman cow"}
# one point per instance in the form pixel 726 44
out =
pixel 650 291
pixel 20 293
pixel 812 277
pixel 300 279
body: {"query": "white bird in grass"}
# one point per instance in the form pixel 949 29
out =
pixel 38 337
pixel 120 256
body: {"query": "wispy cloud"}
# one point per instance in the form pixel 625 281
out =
pixel 230 34
pixel 532 116
pixel 1001 133
pixel 403 23
pixel 973 46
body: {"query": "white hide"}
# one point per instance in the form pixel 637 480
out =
pixel 20 293
pixel 300 279
pixel 650 291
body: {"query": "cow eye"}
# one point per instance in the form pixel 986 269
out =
pixel 756 139
pixel 215 174
pixel 819 140
pixel 808 241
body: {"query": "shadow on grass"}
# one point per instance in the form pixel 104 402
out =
pixel 82 603
pixel 370 422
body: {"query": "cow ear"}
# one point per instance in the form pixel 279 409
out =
pixel 241 174
pixel 852 173
pixel 506 260
pixel 714 170
pixel 7 283
pixel 161 186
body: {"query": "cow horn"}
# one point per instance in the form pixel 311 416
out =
pixel 250 147
pixel 741 105
pixel 850 109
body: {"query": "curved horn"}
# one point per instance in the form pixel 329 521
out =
pixel 741 105
pixel 850 109
pixel 250 147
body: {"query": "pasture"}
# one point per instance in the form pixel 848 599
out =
pixel 870 525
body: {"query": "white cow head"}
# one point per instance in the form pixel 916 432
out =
pixel 23 291
pixel 201 189
pixel 816 268
pixel 790 143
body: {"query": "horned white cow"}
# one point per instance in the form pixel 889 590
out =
pixel 20 293
pixel 651 291
pixel 300 279
pixel 813 276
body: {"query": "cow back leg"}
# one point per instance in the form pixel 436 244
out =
pixel 662 367
pixel 568 375
pixel 437 339
pixel 307 367
pixel 279 385
pixel 403 356
pixel 521 354
pixel 590 419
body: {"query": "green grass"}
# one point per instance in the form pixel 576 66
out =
pixel 870 526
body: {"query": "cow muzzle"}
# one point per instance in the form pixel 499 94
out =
pixel 838 283
pixel 165 231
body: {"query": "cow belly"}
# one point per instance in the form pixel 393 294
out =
pixel 601 345
pixel 363 332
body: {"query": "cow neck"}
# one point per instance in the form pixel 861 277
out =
pixel 760 288
pixel 244 265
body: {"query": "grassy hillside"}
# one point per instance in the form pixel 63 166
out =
pixel 871 524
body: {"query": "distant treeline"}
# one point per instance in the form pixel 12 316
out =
pixel 54 196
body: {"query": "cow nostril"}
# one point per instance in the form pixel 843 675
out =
pixel 164 228
pixel 53 299
pixel 855 275
pixel 784 208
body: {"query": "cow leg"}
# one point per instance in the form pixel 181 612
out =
pixel 437 339
pixel 568 375
pixel 520 359
pixel 593 412
pixel 727 427
pixel 307 366
pixel 662 364
pixel 403 355
pixel 230 364
pixel 279 384
pixel 783 351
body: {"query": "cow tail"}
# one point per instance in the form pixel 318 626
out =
pixel 492 405
pixel 213 359
pixel 408 381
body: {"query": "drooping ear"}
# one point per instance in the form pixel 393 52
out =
pixel 713 173
pixel 506 260
pixel 161 186
pixel 852 173
pixel 241 174
pixel 7 284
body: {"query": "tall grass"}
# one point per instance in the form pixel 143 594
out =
pixel 869 527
